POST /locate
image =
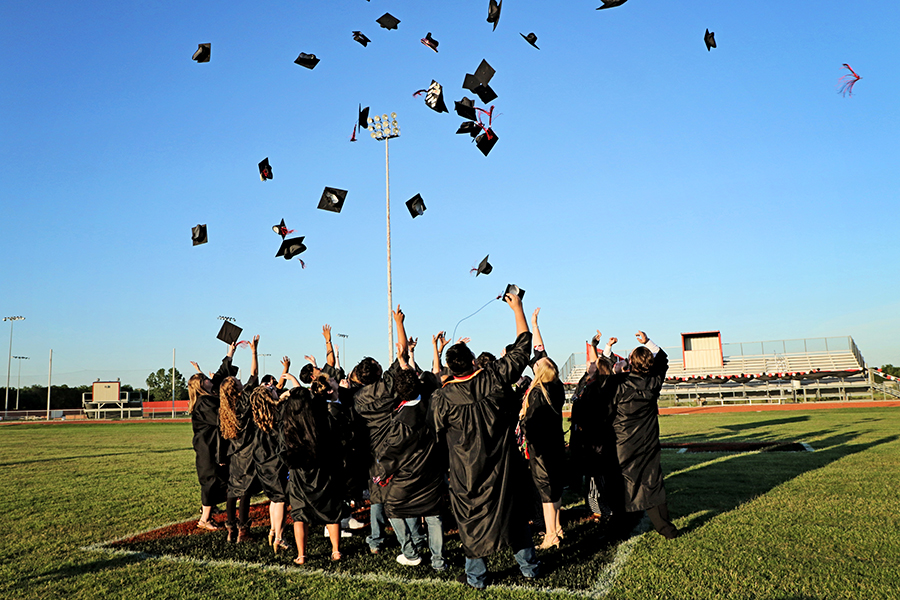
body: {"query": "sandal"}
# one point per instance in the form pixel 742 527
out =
pixel 279 544
pixel 300 559
pixel 335 556
pixel 271 536
pixel 206 525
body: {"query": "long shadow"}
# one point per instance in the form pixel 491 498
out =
pixel 769 423
pixel 59 458
pixel 708 488
pixel 74 571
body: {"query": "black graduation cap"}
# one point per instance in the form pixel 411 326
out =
pixel 611 4
pixel 435 97
pixel 710 39
pixel 494 12
pixel 470 127
pixel 486 141
pixel 291 248
pixel 514 290
pixel 198 235
pixel 478 82
pixel 466 108
pixel 307 60
pixel 531 39
pixel 388 21
pixel 281 229
pixel 363 117
pixel 265 169
pixel 202 53
pixel 332 199
pixel 359 36
pixel 484 267
pixel 430 41
pixel 416 206
pixel 229 333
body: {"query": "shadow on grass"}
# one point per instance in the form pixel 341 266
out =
pixel 707 486
pixel 106 455
pixel 767 423
pixel 75 571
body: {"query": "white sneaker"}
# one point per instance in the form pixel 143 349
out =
pixel 344 534
pixel 352 523
pixel 407 562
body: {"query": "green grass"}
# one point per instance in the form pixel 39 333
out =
pixel 767 525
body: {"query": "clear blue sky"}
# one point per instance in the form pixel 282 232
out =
pixel 639 181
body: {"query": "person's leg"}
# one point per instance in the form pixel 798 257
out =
pixel 659 516
pixel 205 516
pixel 230 518
pixel 528 562
pixel 476 573
pixel 436 542
pixel 414 525
pixel 276 517
pixel 300 538
pixel 551 526
pixel 377 523
pixel 334 534
pixel 402 532
pixel 244 519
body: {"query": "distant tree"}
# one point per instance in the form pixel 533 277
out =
pixel 160 384
pixel 891 370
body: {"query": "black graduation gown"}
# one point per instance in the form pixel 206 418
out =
pixel 242 468
pixel 210 449
pixel 374 404
pixel 317 491
pixel 356 443
pixel 270 468
pixel 546 443
pixel 477 415
pixel 636 426
pixel 412 460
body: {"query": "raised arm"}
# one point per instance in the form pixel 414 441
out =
pixel 399 318
pixel 515 303
pixel 411 346
pixel 592 348
pixel 538 342
pixel 254 361
pixel 439 342
pixel 291 378
pixel 196 366
pixel 329 349
pixel 286 364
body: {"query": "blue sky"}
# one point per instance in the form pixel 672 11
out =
pixel 639 181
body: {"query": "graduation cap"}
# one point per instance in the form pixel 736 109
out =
pixel 265 169
pixel 416 206
pixel 470 127
pixel 332 199
pixel 531 39
pixel 229 333
pixel 202 53
pixel 281 229
pixel 362 118
pixel 435 97
pixel 307 60
pixel 611 4
pixel 465 108
pixel 477 82
pixel 486 141
pixel 291 248
pixel 360 37
pixel 494 12
pixel 514 290
pixel 388 21
pixel 484 267
pixel 198 235
pixel 710 39
pixel 430 41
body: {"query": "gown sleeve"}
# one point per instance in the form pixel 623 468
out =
pixel 509 368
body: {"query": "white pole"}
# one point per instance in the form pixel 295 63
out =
pixel 173 383
pixel 49 381
pixel 387 184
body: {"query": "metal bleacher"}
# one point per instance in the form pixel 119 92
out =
pixel 781 371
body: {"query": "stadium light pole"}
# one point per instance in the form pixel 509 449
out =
pixel 343 337
pixel 19 383
pixel 9 360
pixel 383 129
pixel 264 362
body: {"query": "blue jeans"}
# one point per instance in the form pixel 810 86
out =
pixel 377 521
pixel 410 537
pixel 476 570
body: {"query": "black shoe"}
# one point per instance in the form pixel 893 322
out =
pixel 464 579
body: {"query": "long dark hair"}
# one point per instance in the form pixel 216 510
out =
pixel 303 419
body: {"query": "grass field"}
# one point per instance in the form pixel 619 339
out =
pixel 806 525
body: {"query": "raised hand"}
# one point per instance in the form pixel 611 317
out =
pixel 398 315
pixel 311 359
pixel 596 339
pixel 611 341
pixel 463 340
pixel 286 363
pixel 326 332
pixel 412 343
pixel 642 337
pixel 196 366
pixel 254 343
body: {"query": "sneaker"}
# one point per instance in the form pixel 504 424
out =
pixel 344 534
pixel 440 568
pixel 352 523
pixel 407 562
pixel 464 579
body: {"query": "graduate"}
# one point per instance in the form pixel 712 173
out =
pixel 636 426
pixel 541 429
pixel 209 447
pixel 313 454
pixel 271 471
pixel 476 414
pixel 237 426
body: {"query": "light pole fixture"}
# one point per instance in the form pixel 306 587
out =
pixel 343 337
pixel 19 384
pixel 384 129
pixel 264 362
pixel 229 319
pixel 9 360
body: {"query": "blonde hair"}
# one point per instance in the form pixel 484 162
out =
pixel 545 371
pixel 195 389
pixel 228 395
pixel 263 408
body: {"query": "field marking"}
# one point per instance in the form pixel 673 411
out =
pixel 604 584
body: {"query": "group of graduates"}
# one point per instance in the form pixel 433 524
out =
pixel 475 430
